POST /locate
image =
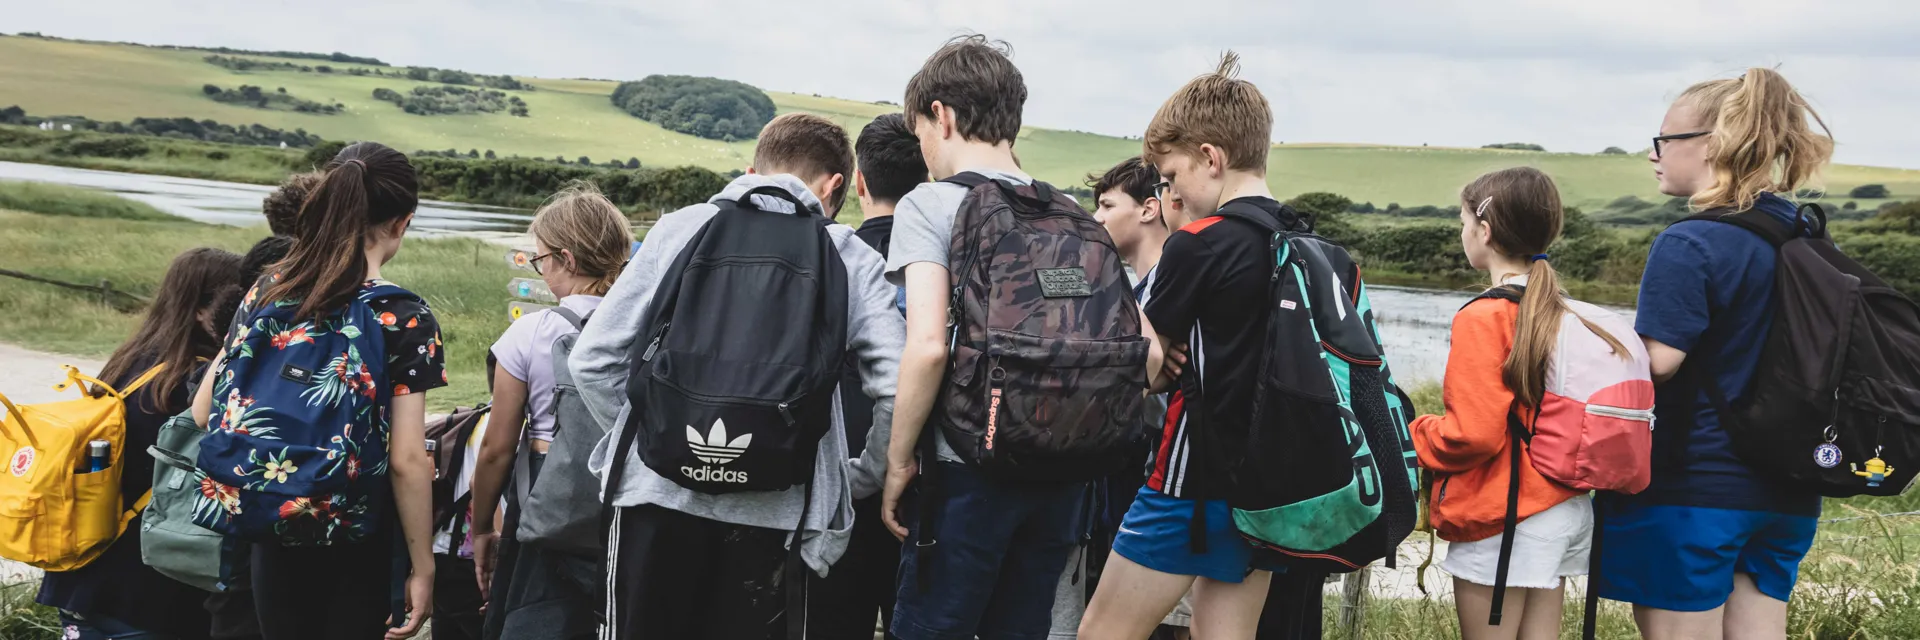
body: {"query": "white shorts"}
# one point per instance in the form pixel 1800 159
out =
pixel 1551 545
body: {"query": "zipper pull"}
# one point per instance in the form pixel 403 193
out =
pixel 785 414
pixel 652 348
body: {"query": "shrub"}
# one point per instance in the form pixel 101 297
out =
pixel 705 107
pixel 1418 248
pixel 253 96
pixel 447 99
pixel 101 147
pixel 324 152
pixel 1515 146
pixel 1613 151
pixel 210 90
pixel 528 181
pixel 1328 213
pixel 1869 191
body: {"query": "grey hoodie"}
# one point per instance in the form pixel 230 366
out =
pixel 602 358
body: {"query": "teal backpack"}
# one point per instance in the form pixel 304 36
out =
pixel 169 540
pixel 1324 481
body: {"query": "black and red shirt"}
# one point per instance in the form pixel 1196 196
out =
pixel 1211 287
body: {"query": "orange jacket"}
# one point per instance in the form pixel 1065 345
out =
pixel 1467 447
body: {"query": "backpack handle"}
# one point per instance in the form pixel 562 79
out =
pixel 777 193
pixel 74 377
pixel 21 418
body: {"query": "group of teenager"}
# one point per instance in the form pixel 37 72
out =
pixel 1709 550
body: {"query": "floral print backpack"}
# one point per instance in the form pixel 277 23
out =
pixel 296 449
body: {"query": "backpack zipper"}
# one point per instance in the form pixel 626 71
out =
pixel 1620 412
pixel 654 347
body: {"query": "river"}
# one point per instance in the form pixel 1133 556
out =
pixel 1413 322
pixel 238 204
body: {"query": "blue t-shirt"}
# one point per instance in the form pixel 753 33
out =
pixel 1708 291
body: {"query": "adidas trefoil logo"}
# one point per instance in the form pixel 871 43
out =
pixel 715 449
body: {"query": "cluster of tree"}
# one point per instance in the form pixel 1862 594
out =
pixel 1870 191
pixel 278 99
pixel 706 107
pixel 1613 151
pixel 177 128
pixel 1515 146
pixel 452 76
pixel 452 100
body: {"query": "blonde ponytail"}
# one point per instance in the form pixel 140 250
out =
pixel 1761 140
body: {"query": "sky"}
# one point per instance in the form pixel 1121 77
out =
pixel 1572 75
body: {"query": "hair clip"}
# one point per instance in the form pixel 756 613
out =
pixel 1481 211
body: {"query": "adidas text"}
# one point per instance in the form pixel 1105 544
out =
pixel 705 473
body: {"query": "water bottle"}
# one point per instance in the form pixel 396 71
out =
pixel 98 453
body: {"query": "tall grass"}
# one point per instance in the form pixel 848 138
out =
pixel 63 200
pixel 22 619
pixel 463 280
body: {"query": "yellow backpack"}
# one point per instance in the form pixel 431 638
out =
pixel 54 514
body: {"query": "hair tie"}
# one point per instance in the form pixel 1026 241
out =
pixel 1481 211
pixel 1538 257
pixel 362 163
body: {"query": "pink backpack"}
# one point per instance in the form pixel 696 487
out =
pixel 1594 431
pixel 1595 428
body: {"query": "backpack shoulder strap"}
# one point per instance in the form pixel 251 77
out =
pixel 1251 214
pixel 968 179
pixel 572 318
pixel 142 380
pixel 1507 292
pixel 384 289
pixel 1758 222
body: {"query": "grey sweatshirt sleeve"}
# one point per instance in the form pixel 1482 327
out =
pixel 602 355
pixel 875 336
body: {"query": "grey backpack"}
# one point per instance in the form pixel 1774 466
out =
pixel 562 511
pixel 169 540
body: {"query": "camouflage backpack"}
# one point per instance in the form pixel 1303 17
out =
pixel 1047 362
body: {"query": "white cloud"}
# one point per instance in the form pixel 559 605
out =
pixel 1575 76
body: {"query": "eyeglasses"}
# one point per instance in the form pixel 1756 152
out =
pixel 1678 136
pixel 535 262
pixel 1160 189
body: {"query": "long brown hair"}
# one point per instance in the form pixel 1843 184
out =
pixel 1761 138
pixel 173 331
pixel 1521 206
pixel 587 226
pixel 367 185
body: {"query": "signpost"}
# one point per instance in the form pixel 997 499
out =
pixel 529 288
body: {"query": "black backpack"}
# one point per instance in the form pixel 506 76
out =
pixel 734 372
pixel 1323 480
pixel 1834 404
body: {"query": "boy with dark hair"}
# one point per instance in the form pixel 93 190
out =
pixel 684 563
pixel 283 205
pixel 1208 298
pixel 990 564
pixel 842 605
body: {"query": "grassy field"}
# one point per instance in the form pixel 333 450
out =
pixel 62 200
pixel 572 118
pixel 462 280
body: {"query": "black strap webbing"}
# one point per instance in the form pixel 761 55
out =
pixel 797 572
pixel 1592 614
pixel 1519 435
pixel 929 500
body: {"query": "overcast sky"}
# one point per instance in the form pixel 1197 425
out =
pixel 1573 75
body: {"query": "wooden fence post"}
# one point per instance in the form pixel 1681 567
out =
pixel 106 293
pixel 1353 603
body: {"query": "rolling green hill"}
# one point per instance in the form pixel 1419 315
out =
pixel 573 118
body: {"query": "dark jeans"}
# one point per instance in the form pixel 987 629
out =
pixel 998 554
pixel 538 593
pixel 339 592
pixel 456 598
pixel 843 605
pixel 688 578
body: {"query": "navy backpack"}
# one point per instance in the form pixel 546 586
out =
pixel 296 449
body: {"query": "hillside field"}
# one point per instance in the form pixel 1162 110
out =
pixel 574 118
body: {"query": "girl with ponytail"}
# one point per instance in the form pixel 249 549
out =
pixel 1712 549
pixel 1497 370
pixel 581 242
pixel 346 230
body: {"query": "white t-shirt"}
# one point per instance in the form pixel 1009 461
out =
pixel 525 351
pixel 463 485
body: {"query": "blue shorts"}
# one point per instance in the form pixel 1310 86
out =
pixel 1683 558
pixel 998 554
pixel 1156 535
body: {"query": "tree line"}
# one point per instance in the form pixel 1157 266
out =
pixel 177 128
pixel 260 98
pixel 453 100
